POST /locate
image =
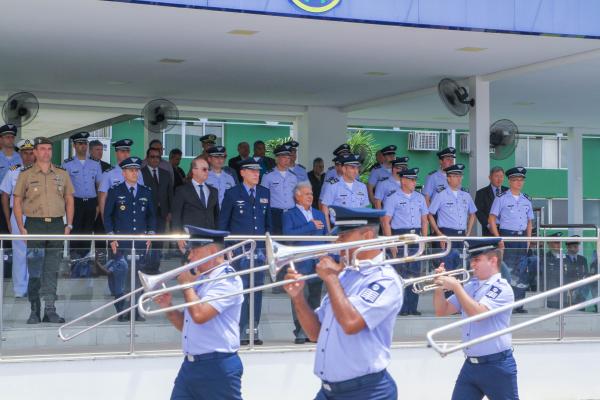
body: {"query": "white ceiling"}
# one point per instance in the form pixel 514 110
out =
pixel 74 51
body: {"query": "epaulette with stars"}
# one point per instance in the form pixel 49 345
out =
pixel 333 180
pixel 69 159
pixel 391 192
pixel 14 167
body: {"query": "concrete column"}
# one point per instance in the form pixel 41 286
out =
pixel 575 176
pixel 479 134
pixel 319 131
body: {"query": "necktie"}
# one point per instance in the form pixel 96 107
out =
pixel 252 198
pixel 497 191
pixel 202 197
pixel 155 176
pixel 131 190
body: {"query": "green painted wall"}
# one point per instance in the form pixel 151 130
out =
pixel 235 134
pixel 134 130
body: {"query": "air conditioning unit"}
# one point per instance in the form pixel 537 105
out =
pixel 465 147
pixel 424 141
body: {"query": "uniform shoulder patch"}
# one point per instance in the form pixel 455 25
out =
pixel 384 178
pixel 371 293
pixel 526 196
pixel 58 167
pixel 69 159
pixel 432 172
pixel 25 168
pixel 376 166
pixel 494 292
pixel 391 192
pixel 109 169
pixel 501 194
pixel 440 189
pixel 292 172
pixel 14 167
pixel 333 180
pixel 464 189
pixel 269 171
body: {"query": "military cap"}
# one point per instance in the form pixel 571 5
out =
pixel 342 149
pixel 456 169
pixel 293 144
pixel 556 234
pixel 476 247
pixel 123 144
pixel 217 151
pixel 210 138
pixel 203 236
pixel 516 172
pixel 131 162
pixel 25 144
pixel 349 218
pixel 400 162
pixel 391 149
pixel 409 173
pixel 573 240
pixel 282 150
pixel 41 140
pixel 8 129
pixel 447 152
pixel 249 163
pixel 80 137
pixel 350 159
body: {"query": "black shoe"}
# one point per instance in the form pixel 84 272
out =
pixel 300 340
pixel 51 316
pixel 258 342
pixel 520 311
pixel 124 317
pixel 34 317
pixel 415 313
pixel 403 314
pixel 244 342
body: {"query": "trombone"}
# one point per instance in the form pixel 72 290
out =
pixel 150 282
pixel 427 283
pixel 279 255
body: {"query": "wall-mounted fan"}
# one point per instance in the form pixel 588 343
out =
pixel 504 136
pixel 455 97
pixel 160 115
pixel 20 109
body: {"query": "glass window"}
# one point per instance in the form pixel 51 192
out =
pixel 542 204
pixel 563 153
pixel 550 153
pixel 193 147
pixel 591 210
pixel 521 152
pixel 560 213
pixel 215 129
pixel 535 152
pixel 172 139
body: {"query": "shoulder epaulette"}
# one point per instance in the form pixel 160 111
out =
pixel 333 180
pixel 440 189
pixel 432 172
pixel 58 166
pixel 14 167
pixel 26 167
pixel 464 189
pixel 69 159
pixel 269 171
pixel 109 169
pixel 330 168
pixel 301 166
pixel 95 159
pixel 376 166
pixel 526 196
pixel 383 178
pixel 292 172
pixel 501 194
pixel 391 192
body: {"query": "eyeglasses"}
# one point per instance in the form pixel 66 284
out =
pixel 153 156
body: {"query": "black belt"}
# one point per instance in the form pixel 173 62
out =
pixel 208 356
pixel 354 383
pixel 45 219
pixel 451 231
pixel 403 231
pixel 85 198
pixel 490 357
pixel 506 232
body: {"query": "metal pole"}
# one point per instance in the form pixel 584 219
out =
pixel 598 264
pixel 251 306
pixel 537 249
pixel 131 301
pixel 2 338
pixel 561 318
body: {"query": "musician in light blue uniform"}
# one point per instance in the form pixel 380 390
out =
pixel 346 191
pixel 436 180
pixel 455 211
pixel 513 212
pixel 389 184
pixel 381 172
pixel 353 327
pixel 210 335
pixel 217 176
pixel 281 182
pixel 335 171
pixel 298 169
pixel 490 368
pixel 406 212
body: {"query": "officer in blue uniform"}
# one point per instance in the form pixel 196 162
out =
pixel 513 212
pixel 381 172
pixel 346 191
pixel 211 367
pixel 128 210
pixel 246 210
pixel 406 212
pixel 454 209
pixel 114 176
pixel 490 368
pixel 281 182
pixel 391 183
pixel 436 180
pixel 298 169
pixel 353 327
pixel 335 171
pixel 85 174
pixel 217 176
pixel 8 158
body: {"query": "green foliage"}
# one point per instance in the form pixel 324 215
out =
pixel 363 143
pixel 271 144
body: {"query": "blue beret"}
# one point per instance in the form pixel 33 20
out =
pixel 515 172
pixel 476 247
pixel 350 159
pixel 8 129
pixel 216 151
pixel 409 173
pixel 342 149
pixel 282 150
pixel 80 137
pixel 447 152
pixel 249 163
pixel 456 169
pixel 208 138
pixel 209 235
pixel 123 144
pixel 391 149
pixel 131 162
pixel 400 162
pixel 349 218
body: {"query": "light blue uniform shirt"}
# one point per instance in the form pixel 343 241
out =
pixel 221 182
pixel 113 177
pixel 331 173
pixel 512 214
pixel 338 193
pixel 221 333
pixel 10 181
pixel 435 183
pixel 492 293
pixel 281 187
pixel 386 186
pixel 300 172
pixel 378 175
pixel 6 163
pixel 376 293
pixel 406 210
pixel 452 209
pixel 84 176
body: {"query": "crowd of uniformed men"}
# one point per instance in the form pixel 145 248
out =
pixel 256 194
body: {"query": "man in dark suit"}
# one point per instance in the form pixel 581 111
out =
pixel 485 197
pixel 179 175
pixel 266 163
pixel 576 268
pixel 243 149
pixel 246 210
pixel 305 220
pixel 195 203
pixel 316 176
pixel 159 181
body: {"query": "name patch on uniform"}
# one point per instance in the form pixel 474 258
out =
pixel 494 292
pixel 371 293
